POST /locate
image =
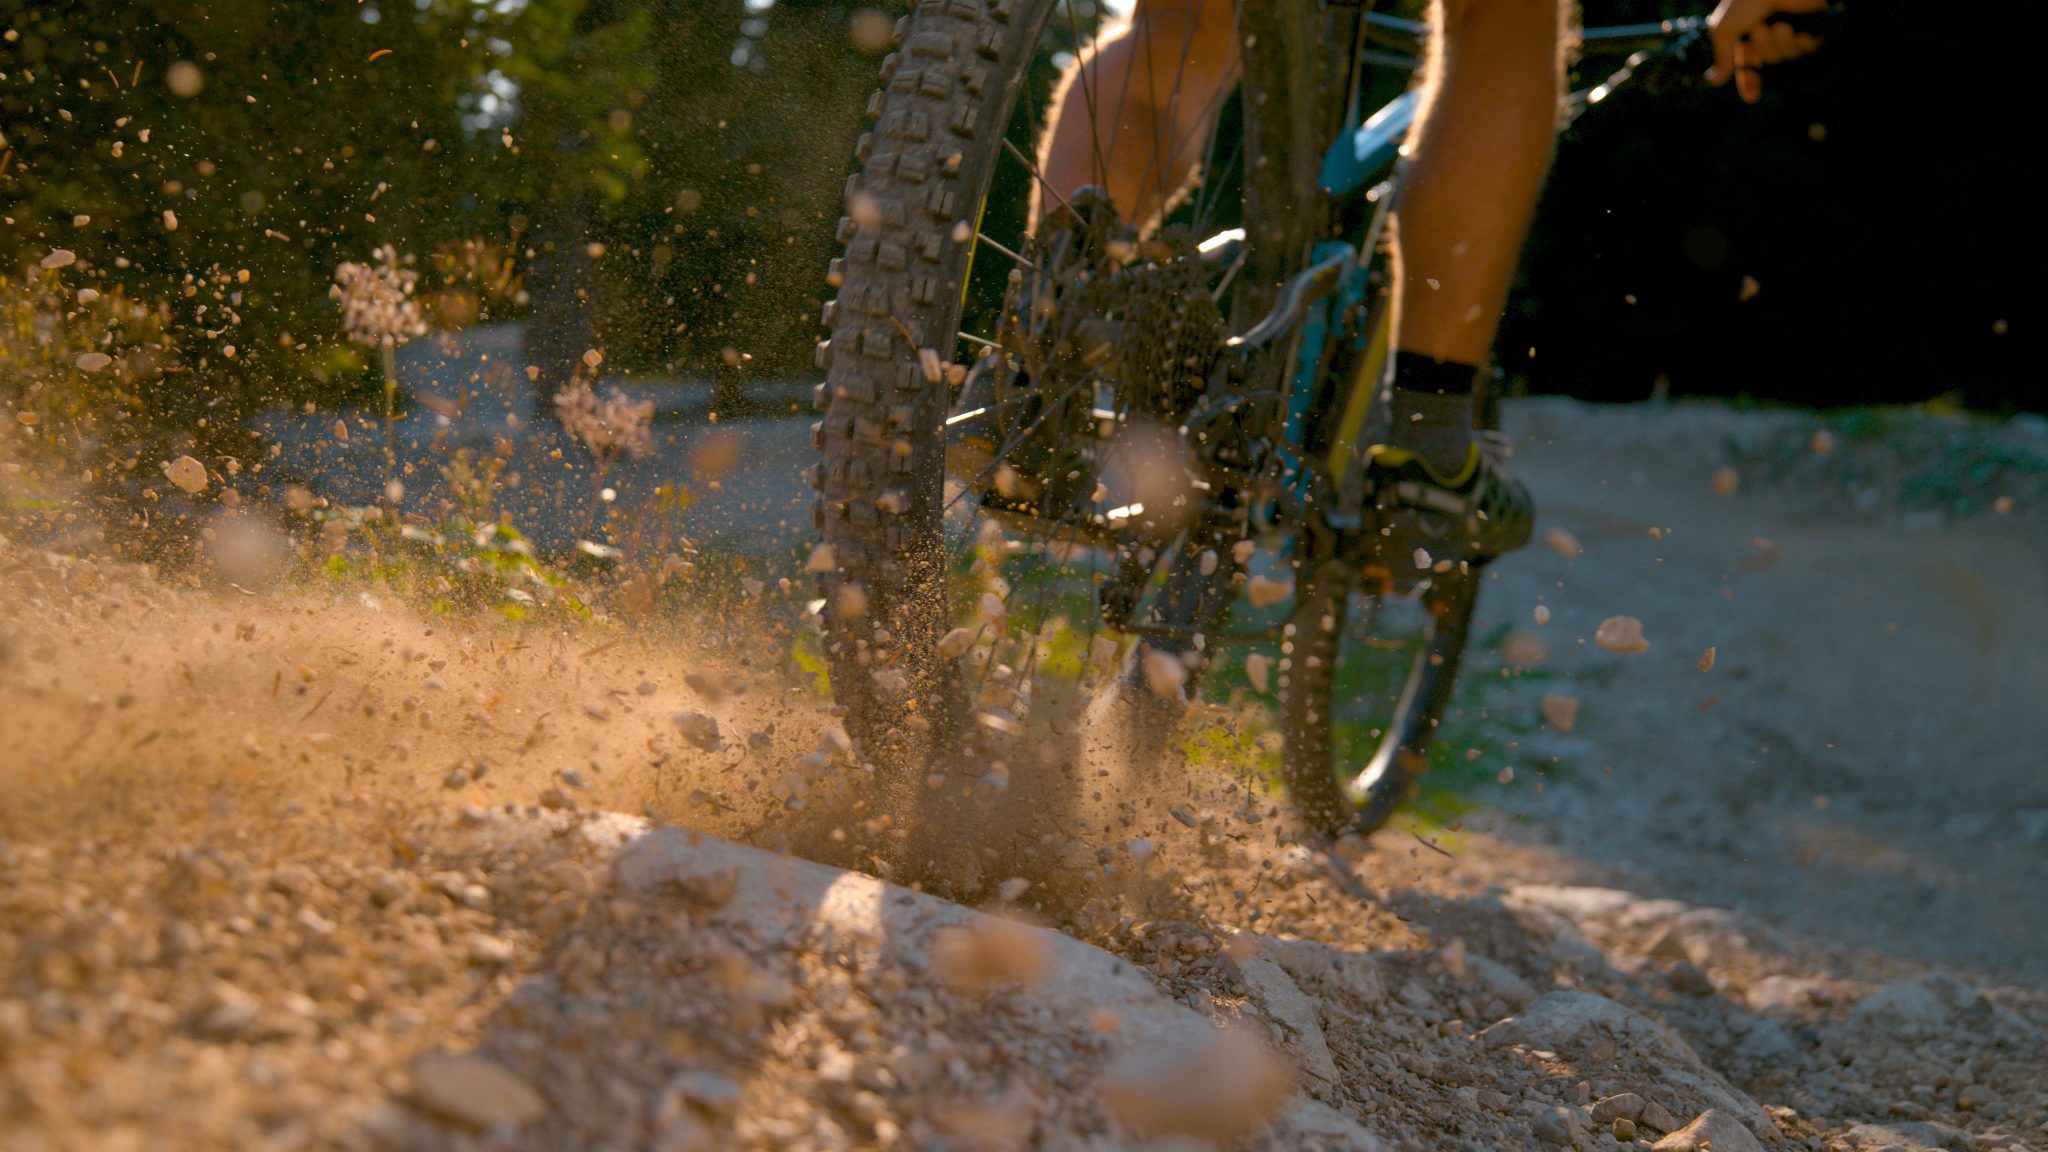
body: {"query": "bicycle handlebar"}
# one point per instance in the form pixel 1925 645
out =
pixel 1394 34
pixel 1375 143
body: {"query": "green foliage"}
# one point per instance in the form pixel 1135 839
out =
pixel 459 565
pixel 224 157
pixel 715 249
pixel 80 369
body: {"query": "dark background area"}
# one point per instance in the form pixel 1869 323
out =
pixel 660 179
pixel 1881 197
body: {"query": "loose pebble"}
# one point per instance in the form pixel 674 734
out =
pixel 474 1090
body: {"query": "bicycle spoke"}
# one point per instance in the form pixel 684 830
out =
pixel 1031 167
pixel 1085 83
pixel 1166 149
pixel 983 237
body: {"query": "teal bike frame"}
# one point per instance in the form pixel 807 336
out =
pixel 1337 292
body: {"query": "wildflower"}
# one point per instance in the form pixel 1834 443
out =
pixel 377 305
pixel 611 425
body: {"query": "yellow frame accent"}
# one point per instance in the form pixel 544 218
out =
pixel 1358 403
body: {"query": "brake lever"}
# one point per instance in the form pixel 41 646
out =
pixel 1689 39
pixel 1823 25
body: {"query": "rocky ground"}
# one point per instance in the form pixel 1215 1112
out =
pixel 314 869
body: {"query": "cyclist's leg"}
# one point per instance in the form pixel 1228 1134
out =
pixel 1479 151
pixel 1135 115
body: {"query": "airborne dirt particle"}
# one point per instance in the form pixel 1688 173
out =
pixel 1258 667
pixel 1561 712
pixel 1621 634
pixel 1265 590
pixel 186 473
pixel 956 642
pixel 1165 674
pixel 990 954
pixel 700 729
pixel 1213 1090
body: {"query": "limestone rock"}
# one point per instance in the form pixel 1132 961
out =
pixel 777 902
pixel 1621 1105
pixel 1912 1136
pixel 1499 980
pixel 1320 966
pixel 1560 1019
pixel 1557 1126
pixel 1576 1020
pixel 1935 1002
pixel 1295 1014
pixel 1785 995
pixel 1713 1130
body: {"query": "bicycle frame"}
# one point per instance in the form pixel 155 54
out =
pixel 1337 290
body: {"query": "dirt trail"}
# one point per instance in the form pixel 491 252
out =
pixel 1867 760
pixel 310 870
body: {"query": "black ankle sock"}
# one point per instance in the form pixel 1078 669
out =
pixel 1432 409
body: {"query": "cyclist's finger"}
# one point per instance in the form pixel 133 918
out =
pixel 1725 28
pixel 1785 39
pixel 1763 47
pixel 1749 82
pixel 1803 44
pixel 1732 20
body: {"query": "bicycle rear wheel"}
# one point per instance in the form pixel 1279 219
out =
pixel 952 615
pixel 1366 679
pixel 1353 695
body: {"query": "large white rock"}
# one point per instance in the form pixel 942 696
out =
pixel 771 900
pixel 1713 1130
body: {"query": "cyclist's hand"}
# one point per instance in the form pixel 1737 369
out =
pixel 1746 39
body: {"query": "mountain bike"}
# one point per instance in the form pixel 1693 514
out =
pixel 1151 452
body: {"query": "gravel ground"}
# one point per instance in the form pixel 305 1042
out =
pixel 313 870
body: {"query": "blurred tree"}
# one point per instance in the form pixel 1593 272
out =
pixel 225 156
pixel 711 259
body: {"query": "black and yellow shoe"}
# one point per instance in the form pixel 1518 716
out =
pixel 1428 519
